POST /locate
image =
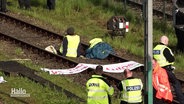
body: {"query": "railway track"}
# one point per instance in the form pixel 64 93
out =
pixel 38 48
pixel 38 42
pixel 12 68
pixel 161 8
pixel 81 76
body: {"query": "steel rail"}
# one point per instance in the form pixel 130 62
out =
pixel 48 55
pixel 155 11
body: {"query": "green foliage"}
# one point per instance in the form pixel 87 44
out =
pixel 179 58
pixel 18 51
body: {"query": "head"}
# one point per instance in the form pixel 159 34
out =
pixel 70 31
pixel 154 62
pixel 128 73
pixel 99 70
pixel 164 39
pixel 155 65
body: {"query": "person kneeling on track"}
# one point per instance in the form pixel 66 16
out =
pixel 98 49
pixel 70 46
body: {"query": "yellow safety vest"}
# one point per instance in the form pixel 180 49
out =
pixel 98 90
pixel 132 90
pixel 95 41
pixel 73 43
pixel 159 56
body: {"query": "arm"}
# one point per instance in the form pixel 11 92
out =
pixel 120 87
pixel 65 46
pixel 110 90
pixel 169 57
pixel 108 87
pixel 141 84
pixel 78 50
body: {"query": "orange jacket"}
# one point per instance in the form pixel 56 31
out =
pixel 161 83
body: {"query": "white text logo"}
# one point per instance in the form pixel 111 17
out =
pixel 19 92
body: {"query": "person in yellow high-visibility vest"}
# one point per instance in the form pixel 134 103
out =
pixel 71 44
pixel 99 90
pixel 131 89
pixel 165 57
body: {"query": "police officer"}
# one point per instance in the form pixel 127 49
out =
pixel 51 4
pixel 3 6
pixel 99 90
pixel 71 44
pixel 165 58
pixel 131 89
pixel 24 4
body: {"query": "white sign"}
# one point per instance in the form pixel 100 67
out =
pixel 111 68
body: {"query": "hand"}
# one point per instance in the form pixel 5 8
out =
pixel 173 67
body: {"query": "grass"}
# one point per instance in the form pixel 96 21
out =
pixel 18 51
pixel 38 93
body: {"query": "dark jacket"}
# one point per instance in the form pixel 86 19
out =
pixel 169 57
pixel 99 51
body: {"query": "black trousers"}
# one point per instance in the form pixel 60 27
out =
pixel 24 4
pixel 51 4
pixel 176 85
pixel 3 5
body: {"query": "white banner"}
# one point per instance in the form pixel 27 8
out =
pixel 111 68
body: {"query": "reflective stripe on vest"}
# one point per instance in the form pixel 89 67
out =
pixel 132 90
pixel 73 42
pixel 97 97
pixel 98 90
pixel 159 56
